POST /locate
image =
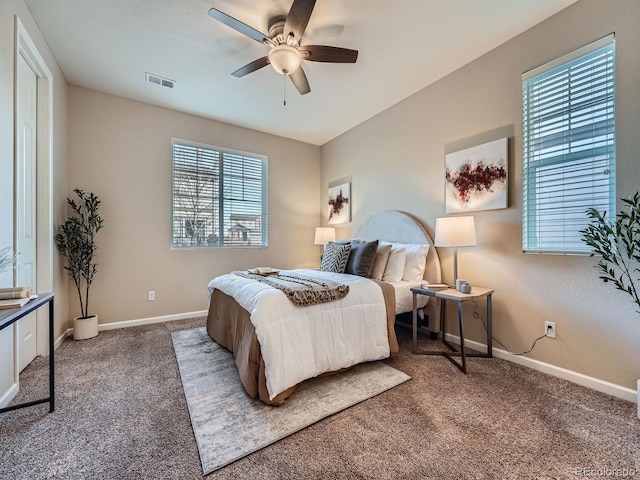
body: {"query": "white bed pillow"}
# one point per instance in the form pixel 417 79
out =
pixel 415 262
pixel 395 265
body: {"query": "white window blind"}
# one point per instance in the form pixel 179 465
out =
pixel 219 197
pixel 568 147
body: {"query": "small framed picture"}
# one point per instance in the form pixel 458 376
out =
pixel 339 206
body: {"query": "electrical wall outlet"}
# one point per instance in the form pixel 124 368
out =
pixel 550 329
pixel 152 295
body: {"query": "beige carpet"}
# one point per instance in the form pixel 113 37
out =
pixel 229 425
pixel 121 414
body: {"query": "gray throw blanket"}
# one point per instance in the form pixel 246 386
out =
pixel 302 290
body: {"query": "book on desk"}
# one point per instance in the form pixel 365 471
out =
pixel 15 302
pixel 435 287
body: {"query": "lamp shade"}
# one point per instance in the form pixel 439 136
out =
pixel 285 59
pixel 324 235
pixel 455 232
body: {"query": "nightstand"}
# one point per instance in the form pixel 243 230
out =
pixel 452 295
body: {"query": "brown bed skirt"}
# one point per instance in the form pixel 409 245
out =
pixel 229 325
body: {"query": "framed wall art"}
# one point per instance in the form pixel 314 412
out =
pixel 339 207
pixel 476 178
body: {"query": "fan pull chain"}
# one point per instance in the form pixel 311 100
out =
pixel 284 91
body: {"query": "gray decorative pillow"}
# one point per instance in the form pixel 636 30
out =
pixel 335 257
pixel 361 258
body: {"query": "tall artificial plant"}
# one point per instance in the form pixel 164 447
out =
pixel 618 244
pixel 76 241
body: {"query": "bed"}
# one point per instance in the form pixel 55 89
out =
pixel 277 345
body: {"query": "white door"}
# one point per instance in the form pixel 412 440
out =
pixel 26 121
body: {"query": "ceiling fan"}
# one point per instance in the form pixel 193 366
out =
pixel 286 53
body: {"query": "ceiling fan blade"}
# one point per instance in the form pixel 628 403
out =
pixel 300 81
pixel 238 26
pixel 298 18
pixel 251 67
pixel 323 53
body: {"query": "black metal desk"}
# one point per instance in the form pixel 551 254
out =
pixel 452 295
pixel 12 315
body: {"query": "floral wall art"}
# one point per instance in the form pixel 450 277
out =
pixel 476 178
pixel 339 204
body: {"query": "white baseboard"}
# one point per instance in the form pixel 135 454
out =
pixel 67 333
pixel 150 320
pixel 574 377
pixel 135 323
pixel 8 396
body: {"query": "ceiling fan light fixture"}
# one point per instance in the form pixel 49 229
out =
pixel 285 59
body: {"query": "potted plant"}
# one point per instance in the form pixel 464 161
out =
pixel 76 241
pixel 618 244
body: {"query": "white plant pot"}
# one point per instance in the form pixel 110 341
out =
pixel 84 328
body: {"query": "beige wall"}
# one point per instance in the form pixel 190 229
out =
pixel 121 150
pixel 396 161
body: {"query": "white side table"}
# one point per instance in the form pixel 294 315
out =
pixel 452 295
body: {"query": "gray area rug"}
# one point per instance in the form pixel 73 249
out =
pixel 229 425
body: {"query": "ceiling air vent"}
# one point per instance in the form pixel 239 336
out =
pixel 164 82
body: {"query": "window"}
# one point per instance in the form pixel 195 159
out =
pixel 568 110
pixel 219 197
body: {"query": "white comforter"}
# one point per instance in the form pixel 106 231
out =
pixel 298 343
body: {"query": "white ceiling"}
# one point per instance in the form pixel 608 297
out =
pixel 404 45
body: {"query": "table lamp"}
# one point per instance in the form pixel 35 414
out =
pixel 324 235
pixel 455 232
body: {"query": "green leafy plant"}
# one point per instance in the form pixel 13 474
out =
pixel 618 244
pixel 76 241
